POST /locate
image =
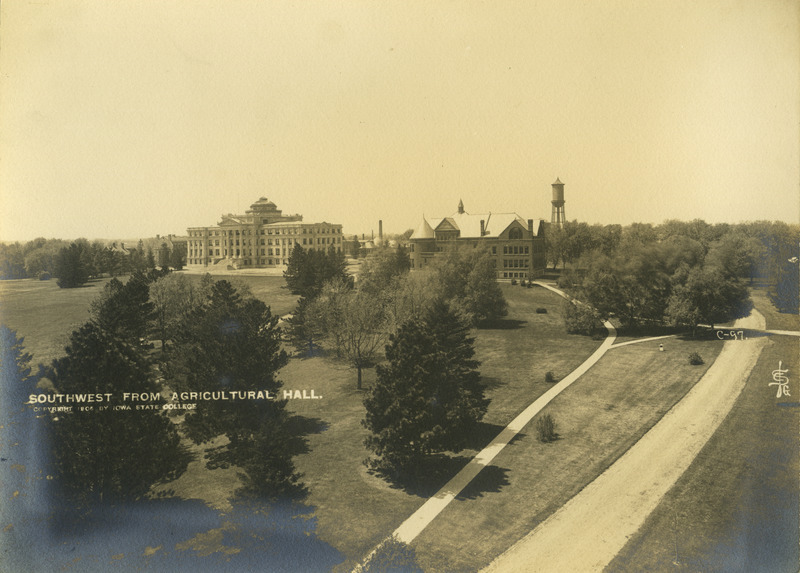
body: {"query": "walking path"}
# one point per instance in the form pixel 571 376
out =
pixel 412 526
pixel 590 529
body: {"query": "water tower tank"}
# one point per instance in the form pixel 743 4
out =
pixel 558 192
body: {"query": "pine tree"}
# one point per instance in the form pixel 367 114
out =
pixel 125 309
pixel 308 271
pixel 233 344
pixel 70 267
pixel 301 329
pixel 103 453
pixel 297 273
pixel 428 398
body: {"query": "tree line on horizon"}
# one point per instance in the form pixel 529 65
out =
pixel 73 263
pixel 678 273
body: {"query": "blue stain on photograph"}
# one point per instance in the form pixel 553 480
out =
pixel 40 530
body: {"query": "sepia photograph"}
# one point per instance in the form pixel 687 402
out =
pixel 403 286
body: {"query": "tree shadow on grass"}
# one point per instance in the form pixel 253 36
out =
pixel 502 324
pixel 480 437
pixel 491 479
pixel 491 383
pixel 314 352
pixel 649 330
pixel 299 427
pixel 431 474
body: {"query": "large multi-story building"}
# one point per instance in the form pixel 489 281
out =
pixel 262 237
pixel 516 246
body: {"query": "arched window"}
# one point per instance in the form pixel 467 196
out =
pixel 515 234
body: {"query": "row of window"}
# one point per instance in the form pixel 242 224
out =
pixel 279 231
pixel 516 263
pixel 249 242
pixel 193 253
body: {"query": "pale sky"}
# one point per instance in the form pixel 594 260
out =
pixel 130 118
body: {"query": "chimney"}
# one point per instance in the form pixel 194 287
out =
pixel 483 227
pixel 530 226
pixel 380 229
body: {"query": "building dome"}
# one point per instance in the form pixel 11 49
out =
pixel 263 204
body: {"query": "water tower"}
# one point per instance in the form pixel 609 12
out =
pixel 558 217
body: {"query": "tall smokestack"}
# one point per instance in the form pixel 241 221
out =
pixel 380 229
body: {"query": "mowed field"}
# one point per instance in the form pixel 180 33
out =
pixel 599 417
pixel 737 507
pixel 46 315
pixel 356 510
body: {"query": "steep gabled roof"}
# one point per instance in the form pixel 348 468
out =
pixel 494 224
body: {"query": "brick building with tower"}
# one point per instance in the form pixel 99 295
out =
pixel 516 245
pixel 262 237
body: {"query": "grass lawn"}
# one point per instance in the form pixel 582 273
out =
pixel 597 419
pixel 737 506
pixel 356 510
pixel 46 315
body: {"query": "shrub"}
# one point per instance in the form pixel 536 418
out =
pixel 549 377
pixel 523 282
pixel 513 281
pixel 43 276
pixel 546 428
pixel 581 319
pixel 541 310
pixel 392 555
pixel 695 359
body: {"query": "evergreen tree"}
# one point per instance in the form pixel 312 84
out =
pixel 150 262
pixel 308 271
pixel 177 257
pixel 233 344
pixel 298 272
pixel 125 309
pixel 70 267
pixel 302 329
pixel 428 398
pixel 164 256
pixel 106 454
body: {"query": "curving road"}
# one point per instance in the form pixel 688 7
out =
pixel 590 529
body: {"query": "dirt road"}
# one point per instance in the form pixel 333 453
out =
pixel 589 530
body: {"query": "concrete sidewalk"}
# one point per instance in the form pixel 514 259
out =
pixel 412 526
pixel 590 529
